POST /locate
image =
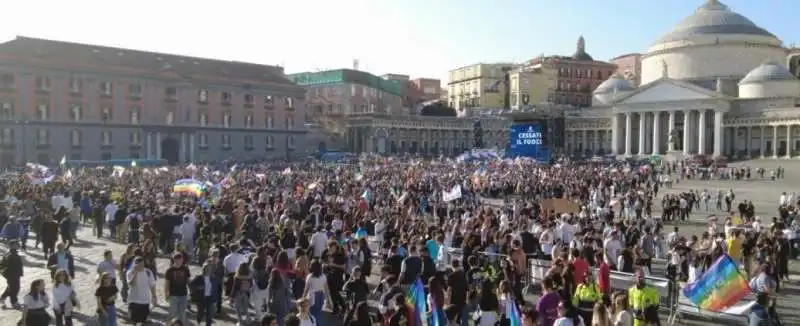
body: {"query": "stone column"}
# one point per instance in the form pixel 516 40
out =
pixel 158 146
pixel 148 146
pixel 718 133
pixel 615 134
pixel 182 149
pixel 760 140
pixel 788 141
pixel 192 146
pixel 596 142
pixel 670 131
pixel 701 132
pixel 657 132
pixel 686 131
pixel 642 127
pixel 775 141
pixel 628 133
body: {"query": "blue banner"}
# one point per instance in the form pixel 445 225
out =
pixel 526 140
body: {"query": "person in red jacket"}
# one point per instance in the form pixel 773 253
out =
pixel 603 277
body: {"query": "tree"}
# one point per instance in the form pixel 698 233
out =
pixel 438 109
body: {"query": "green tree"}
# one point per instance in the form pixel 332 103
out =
pixel 438 109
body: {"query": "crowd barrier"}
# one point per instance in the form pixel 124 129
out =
pixel 620 281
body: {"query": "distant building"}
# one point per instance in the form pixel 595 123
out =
pixel 629 66
pixel 533 85
pixel 429 88
pixel 89 102
pixel 478 85
pixel 577 75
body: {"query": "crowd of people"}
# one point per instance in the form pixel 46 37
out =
pixel 297 243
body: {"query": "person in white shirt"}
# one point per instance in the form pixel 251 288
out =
pixel 34 305
pixel 111 210
pixel 232 261
pixel 108 265
pixel 187 232
pixel 63 298
pixel 142 284
pixel 319 241
pixel 612 248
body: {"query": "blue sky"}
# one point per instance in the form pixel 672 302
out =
pixel 421 38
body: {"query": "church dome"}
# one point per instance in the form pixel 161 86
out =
pixel 580 51
pixel 613 88
pixel 713 18
pixel 615 82
pixel 768 71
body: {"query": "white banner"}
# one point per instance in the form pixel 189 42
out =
pixel 453 194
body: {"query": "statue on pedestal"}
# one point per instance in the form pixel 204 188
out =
pixel 673 135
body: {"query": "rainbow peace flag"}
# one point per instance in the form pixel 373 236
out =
pixel 415 303
pixel 189 187
pixel 721 286
pixel 512 313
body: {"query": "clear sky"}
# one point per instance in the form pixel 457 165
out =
pixel 421 38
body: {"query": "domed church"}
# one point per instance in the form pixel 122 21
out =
pixel 715 84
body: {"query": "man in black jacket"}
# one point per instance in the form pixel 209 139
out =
pixel 12 270
pixel 411 269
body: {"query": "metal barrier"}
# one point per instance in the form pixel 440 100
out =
pixel 620 281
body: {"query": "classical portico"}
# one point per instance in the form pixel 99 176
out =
pixel 669 116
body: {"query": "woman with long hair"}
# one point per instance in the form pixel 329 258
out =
pixel 106 295
pixel 567 316
pixel 64 299
pixel 301 266
pixel 619 311
pixel 278 296
pixel 124 262
pixel 600 315
pixel 316 289
pixel 242 286
pixel 35 304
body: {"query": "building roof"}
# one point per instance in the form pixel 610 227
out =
pixel 103 57
pixel 615 82
pixel 338 76
pixel 713 17
pixel 768 71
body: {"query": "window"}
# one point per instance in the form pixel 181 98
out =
pixel 105 138
pixel 75 138
pixel 226 141
pixel 226 119
pixel 42 137
pixel 134 115
pixel 202 96
pixel 106 114
pixel 268 101
pixel 288 102
pixel 290 142
pixel 226 97
pixel 7 81
pixel 135 90
pixel 203 140
pixel 171 93
pixel 248 121
pixel 74 84
pixel 6 111
pixel 42 112
pixel 270 123
pixel 7 136
pixel 589 73
pixel 248 99
pixel 352 90
pixel 203 119
pixel 289 122
pixel 43 84
pixel 106 88
pixel 136 138
pixel 270 141
pixel 371 107
pixel 105 156
pixel 248 142
pixel 75 113
pixel 169 118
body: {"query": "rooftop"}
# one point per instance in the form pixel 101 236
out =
pixel 105 57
